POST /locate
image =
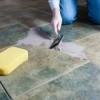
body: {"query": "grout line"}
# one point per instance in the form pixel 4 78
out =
pixel 33 26
pixel 53 79
pixel 42 11
pixel 40 25
pixel 8 95
pixel 86 37
pixel 8 25
pixel 18 22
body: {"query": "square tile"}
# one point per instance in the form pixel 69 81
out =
pixel 92 47
pixel 81 84
pixel 9 35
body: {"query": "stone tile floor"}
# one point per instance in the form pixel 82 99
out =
pixel 48 74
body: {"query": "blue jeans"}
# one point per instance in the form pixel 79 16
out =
pixel 69 11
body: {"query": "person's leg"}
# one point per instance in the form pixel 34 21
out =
pixel 94 11
pixel 68 11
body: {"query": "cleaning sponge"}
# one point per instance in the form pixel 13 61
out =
pixel 11 58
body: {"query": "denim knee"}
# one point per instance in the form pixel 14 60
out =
pixel 68 19
pixel 94 17
pixel 94 11
pixel 68 11
pixel 96 20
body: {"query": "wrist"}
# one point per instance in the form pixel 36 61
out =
pixel 56 12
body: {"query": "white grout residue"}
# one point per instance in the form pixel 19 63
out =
pixel 69 48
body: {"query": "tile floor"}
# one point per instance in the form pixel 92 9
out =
pixel 48 75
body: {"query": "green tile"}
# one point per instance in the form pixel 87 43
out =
pixel 81 84
pixel 92 47
pixel 3 95
pixel 11 34
pixel 43 65
pixel 77 31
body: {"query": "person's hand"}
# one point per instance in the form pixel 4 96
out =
pixel 56 21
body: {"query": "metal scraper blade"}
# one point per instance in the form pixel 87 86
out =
pixel 56 41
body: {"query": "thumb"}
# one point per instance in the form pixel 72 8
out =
pixel 55 28
pixel 59 26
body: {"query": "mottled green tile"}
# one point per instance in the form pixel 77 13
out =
pixel 11 34
pixel 81 84
pixel 92 47
pixel 42 66
pixel 77 31
pixel 3 95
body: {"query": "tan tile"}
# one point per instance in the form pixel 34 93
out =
pixel 92 47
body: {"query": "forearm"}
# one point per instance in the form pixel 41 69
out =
pixel 56 19
pixel 54 4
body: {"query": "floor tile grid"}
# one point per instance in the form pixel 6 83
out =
pixel 88 79
pixel 80 39
pixel 65 73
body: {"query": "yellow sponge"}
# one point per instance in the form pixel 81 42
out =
pixel 11 58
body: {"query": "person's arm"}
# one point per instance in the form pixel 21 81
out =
pixel 54 4
pixel 56 19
